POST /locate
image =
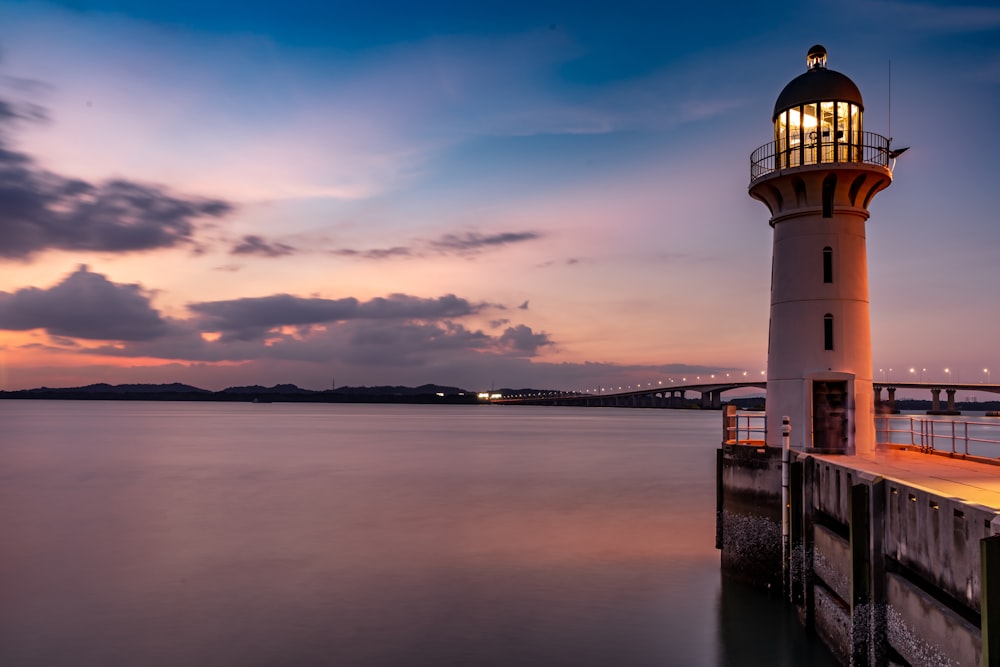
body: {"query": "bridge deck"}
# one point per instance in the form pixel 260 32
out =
pixel 971 481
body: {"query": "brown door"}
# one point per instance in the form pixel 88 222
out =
pixel 830 415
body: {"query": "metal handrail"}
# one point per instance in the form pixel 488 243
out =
pixel 745 426
pixel 924 434
pixel 873 149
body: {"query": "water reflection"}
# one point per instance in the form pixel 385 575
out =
pixel 370 536
pixel 761 631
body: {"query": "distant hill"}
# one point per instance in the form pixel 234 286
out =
pixel 276 389
pixel 102 389
pixel 428 393
pixel 173 387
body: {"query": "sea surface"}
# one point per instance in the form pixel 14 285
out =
pixel 147 534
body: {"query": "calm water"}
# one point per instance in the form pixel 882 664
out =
pixel 147 534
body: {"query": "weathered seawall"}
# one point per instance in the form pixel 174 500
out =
pixel 885 570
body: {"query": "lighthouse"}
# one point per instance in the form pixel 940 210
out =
pixel 818 178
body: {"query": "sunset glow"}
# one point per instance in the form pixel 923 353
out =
pixel 549 198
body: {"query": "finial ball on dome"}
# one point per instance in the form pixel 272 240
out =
pixel 817 57
pixel 817 84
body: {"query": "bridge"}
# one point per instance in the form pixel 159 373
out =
pixel 710 395
pixel 672 396
pixel 935 388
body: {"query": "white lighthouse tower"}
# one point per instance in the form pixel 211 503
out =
pixel 818 178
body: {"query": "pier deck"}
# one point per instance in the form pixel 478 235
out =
pixel 970 481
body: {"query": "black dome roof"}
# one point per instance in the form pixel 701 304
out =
pixel 817 85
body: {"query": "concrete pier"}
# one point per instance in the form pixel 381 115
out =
pixel 892 557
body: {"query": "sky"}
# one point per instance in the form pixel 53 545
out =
pixel 548 195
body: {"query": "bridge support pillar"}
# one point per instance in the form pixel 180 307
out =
pixel 935 400
pixel 711 399
pixel 878 396
pixel 892 398
pixel 951 399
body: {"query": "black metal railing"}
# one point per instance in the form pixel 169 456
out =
pixel 873 149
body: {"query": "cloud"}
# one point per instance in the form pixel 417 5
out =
pixel 523 306
pixel 252 318
pixel 84 305
pixel 41 210
pixel 471 242
pixel 359 343
pixel 467 243
pixel 413 343
pixel 25 85
pixel 24 111
pixel 523 340
pixel 402 306
pixel 375 253
pixel 255 245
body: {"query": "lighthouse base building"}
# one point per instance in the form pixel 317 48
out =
pixel 819 361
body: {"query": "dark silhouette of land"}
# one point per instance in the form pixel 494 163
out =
pixel 279 393
pixel 290 393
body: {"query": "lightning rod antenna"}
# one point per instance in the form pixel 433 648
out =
pixel 890 102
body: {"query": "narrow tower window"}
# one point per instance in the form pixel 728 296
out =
pixel 829 187
pixel 828 264
pixel 828 332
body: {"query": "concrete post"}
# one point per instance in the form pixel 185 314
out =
pixel 795 531
pixel 879 600
pixel 808 542
pixel 878 395
pixel 892 398
pixel 951 399
pixel 858 508
pixel 935 400
pixel 989 557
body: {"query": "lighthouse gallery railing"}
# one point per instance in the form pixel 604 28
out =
pixel 873 149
